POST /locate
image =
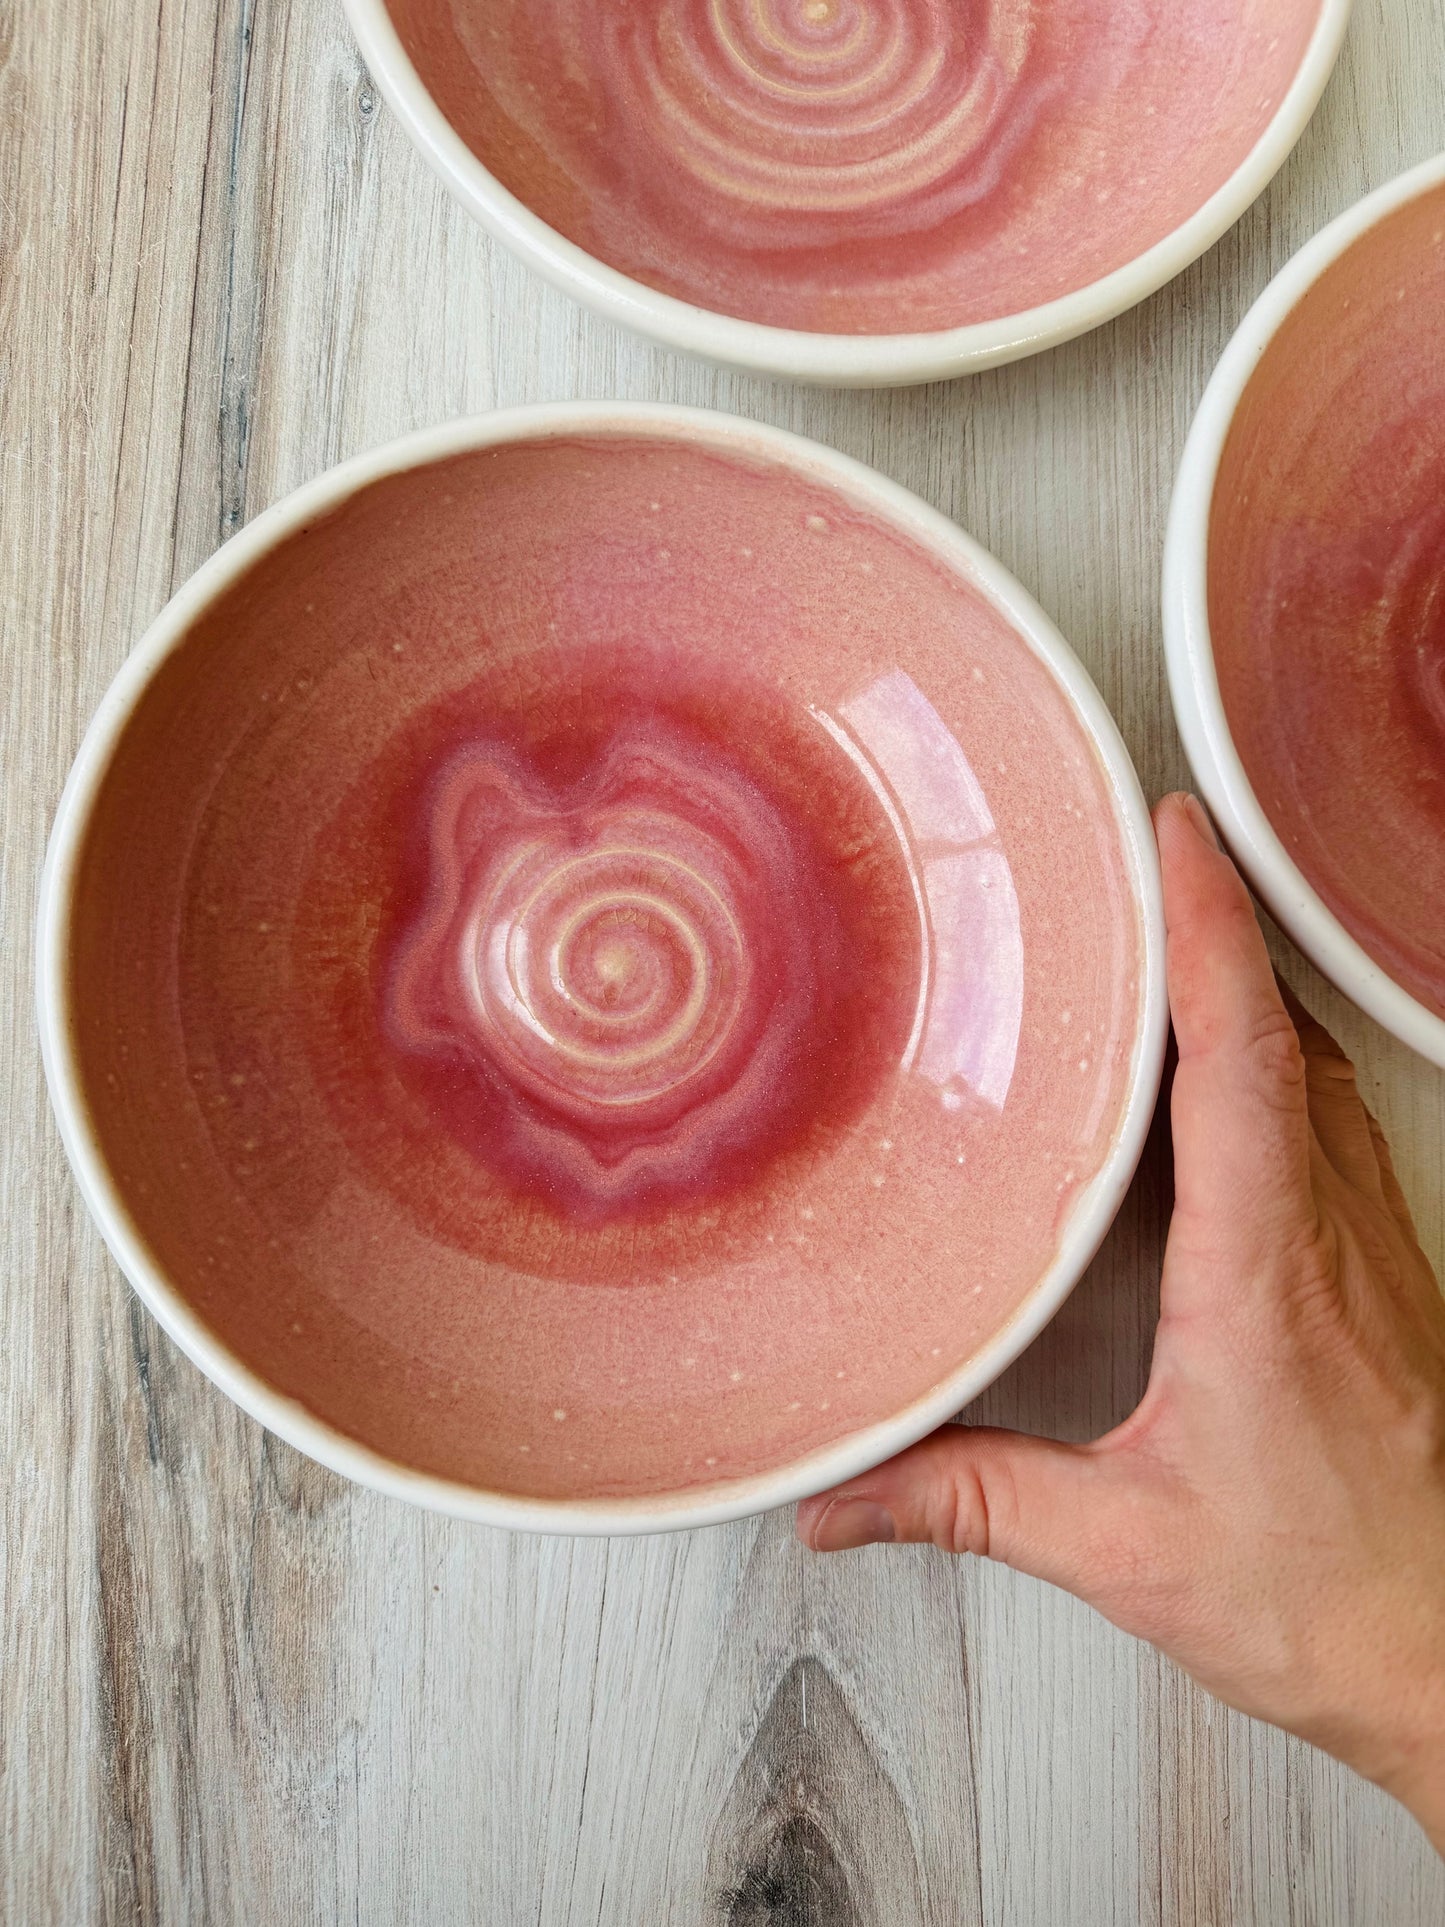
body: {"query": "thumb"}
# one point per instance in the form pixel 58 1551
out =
pixel 1028 1502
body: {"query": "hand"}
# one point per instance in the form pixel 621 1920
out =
pixel 1273 1514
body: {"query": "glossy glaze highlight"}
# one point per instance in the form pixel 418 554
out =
pixel 659 943
pixel 587 776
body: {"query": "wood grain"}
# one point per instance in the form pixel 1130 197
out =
pixel 234 1689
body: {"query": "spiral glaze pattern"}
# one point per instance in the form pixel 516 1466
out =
pixel 860 166
pixel 823 120
pixel 625 963
pixel 538 677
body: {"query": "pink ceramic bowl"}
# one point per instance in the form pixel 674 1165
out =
pixel 1304 602
pixel 601 968
pixel 854 191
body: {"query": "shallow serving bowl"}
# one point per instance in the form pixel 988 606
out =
pixel 601 968
pixel 854 191
pixel 1304 602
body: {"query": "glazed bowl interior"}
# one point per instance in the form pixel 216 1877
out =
pixel 1306 602
pixel 855 190
pixel 601 968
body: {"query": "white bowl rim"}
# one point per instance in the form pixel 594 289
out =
pixel 880 360
pixel 1189 651
pixel 858 1451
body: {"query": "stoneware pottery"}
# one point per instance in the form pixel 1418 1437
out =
pixel 1305 603
pixel 854 191
pixel 601 968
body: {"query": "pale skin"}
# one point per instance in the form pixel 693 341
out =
pixel 1272 1516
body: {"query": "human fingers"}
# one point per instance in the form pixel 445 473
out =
pixel 1337 1112
pixel 1028 1502
pixel 1239 1105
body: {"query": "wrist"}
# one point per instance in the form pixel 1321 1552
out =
pixel 1376 1700
pixel 1406 1751
pixel 1427 1804
pixel 1416 1778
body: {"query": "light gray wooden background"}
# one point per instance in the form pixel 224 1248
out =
pixel 232 1688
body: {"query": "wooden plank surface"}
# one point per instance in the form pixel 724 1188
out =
pixel 234 1689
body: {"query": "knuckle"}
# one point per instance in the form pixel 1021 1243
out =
pixel 1313 1259
pixel 979 1508
pixel 963 1522
pixel 1332 1078
pixel 1272 1049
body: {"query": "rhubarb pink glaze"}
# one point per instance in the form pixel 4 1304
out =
pixel 1327 590
pixel 638 938
pixel 602 967
pixel 860 166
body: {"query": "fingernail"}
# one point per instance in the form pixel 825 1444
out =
pixel 1199 817
pixel 848 1523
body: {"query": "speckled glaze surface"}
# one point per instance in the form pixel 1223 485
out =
pixel 861 166
pixel 602 967
pixel 1326 588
